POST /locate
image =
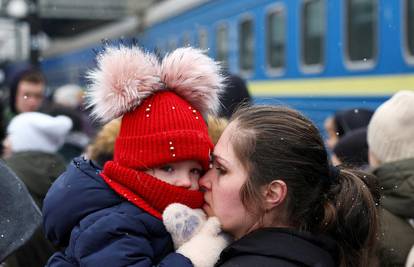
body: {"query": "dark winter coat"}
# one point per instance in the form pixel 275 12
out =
pixel 279 247
pixel 97 227
pixel 38 170
pixel 19 215
pixel 396 180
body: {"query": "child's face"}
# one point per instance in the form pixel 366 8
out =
pixel 183 173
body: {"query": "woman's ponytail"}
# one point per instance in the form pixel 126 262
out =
pixel 350 217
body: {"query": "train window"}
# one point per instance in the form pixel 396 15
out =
pixel 409 28
pixel 275 43
pixel 158 50
pixel 313 32
pixel 246 44
pixel 222 43
pixel 172 45
pixel 186 40
pixel 361 16
pixel 202 39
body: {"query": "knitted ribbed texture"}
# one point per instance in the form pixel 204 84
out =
pixel 146 191
pixel 163 129
pixel 391 129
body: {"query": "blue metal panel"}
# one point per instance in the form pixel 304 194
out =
pixel 334 39
pixel 391 49
pixel 319 108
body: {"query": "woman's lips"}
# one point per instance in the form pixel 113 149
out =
pixel 208 210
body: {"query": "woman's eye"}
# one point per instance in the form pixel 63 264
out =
pixel 167 168
pixel 220 169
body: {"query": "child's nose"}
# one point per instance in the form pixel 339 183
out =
pixel 187 182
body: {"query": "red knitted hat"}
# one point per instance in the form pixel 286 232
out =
pixel 163 108
pixel 163 129
pixel 163 105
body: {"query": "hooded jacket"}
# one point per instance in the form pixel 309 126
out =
pixel 19 214
pixel 274 247
pixel 38 170
pixel 97 227
pixel 396 180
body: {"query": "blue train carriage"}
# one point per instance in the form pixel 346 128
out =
pixel 315 55
pixel 69 67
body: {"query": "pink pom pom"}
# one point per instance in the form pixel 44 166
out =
pixel 124 77
pixel 195 77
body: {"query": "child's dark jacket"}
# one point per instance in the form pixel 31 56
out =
pixel 96 227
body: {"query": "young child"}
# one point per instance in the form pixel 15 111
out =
pixel 113 217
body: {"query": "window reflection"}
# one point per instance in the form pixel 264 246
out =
pixel 202 39
pixel 246 45
pixel 186 39
pixel 361 29
pixel 410 26
pixel 222 43
pixel 275 44
pixel 313 25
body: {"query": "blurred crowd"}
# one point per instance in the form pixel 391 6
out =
pixel 42 134
pixel 381 141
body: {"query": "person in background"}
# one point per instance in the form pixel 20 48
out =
pixel 391 156
pixel 352 149
pixel 30 150
pixel 71 96
pixel 27 92
pixel 343 122
pixel 19 214
pixel 76 140
pixel 2 124
pixel 410 258
pixel 272 188
pixel 235 94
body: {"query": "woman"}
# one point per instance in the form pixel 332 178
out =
pixel 273 190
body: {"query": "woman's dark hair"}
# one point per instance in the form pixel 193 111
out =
pixel 29 75
pixel 278 143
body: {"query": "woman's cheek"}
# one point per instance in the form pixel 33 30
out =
pixel 208 210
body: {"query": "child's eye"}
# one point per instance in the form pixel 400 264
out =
pixel 167 168
pixel 196 173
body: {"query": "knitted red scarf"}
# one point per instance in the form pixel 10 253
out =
pixel 146 191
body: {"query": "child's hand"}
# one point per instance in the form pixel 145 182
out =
pixel 182 222
pixel 204 248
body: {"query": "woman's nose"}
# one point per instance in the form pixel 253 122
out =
pixel 205 180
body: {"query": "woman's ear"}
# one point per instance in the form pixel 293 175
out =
pixel 274 194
